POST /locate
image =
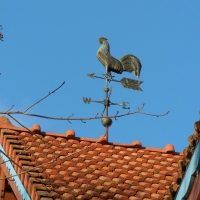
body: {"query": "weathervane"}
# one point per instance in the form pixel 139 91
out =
pixel 128 63
pixel 1 35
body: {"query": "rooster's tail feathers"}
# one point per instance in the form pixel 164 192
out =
pixel 131 64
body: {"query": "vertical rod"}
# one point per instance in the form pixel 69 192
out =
pixel 106 91
pixel 106 97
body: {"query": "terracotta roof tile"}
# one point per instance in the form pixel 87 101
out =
pixel 143 195
pixel 95 198
pixel 163 192
pixel 118 180
pixel 156 196
pixel 137 188
pixel 120 197
pixel 134 198
pixel 151 190
pixel 81 168
pixel 106 195
pixel 144 184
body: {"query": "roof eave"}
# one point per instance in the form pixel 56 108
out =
pixel 189 177
pixel 14 181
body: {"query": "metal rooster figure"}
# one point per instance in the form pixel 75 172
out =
pixel 128 63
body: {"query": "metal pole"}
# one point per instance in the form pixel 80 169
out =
pixel 107 101
pixel 106 91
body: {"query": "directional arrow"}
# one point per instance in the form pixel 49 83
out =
pixel 126 82
pixel 93 76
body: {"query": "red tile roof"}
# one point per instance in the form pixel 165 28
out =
pixel 62 166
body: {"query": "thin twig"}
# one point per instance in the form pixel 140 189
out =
pixel 83 121
pixel 44 97
pixel 71 116
pixel 10 108
pixel 155 115
pixel 116 115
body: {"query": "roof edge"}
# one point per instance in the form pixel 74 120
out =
pixel 70 134
pixel 15 183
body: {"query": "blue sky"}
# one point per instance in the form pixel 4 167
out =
pixel 48 42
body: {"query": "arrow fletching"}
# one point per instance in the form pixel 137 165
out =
pixel 131 84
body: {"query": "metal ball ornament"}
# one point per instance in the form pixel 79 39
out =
pixel 106 121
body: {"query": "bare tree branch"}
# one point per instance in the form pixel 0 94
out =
pixel 44 97
pixel 85 118
pixel 69 119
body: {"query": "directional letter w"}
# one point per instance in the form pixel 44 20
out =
pixel 86 100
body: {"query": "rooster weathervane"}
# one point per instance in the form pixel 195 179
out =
pixel 128 63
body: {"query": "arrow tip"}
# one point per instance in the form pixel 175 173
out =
pixel 91 75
